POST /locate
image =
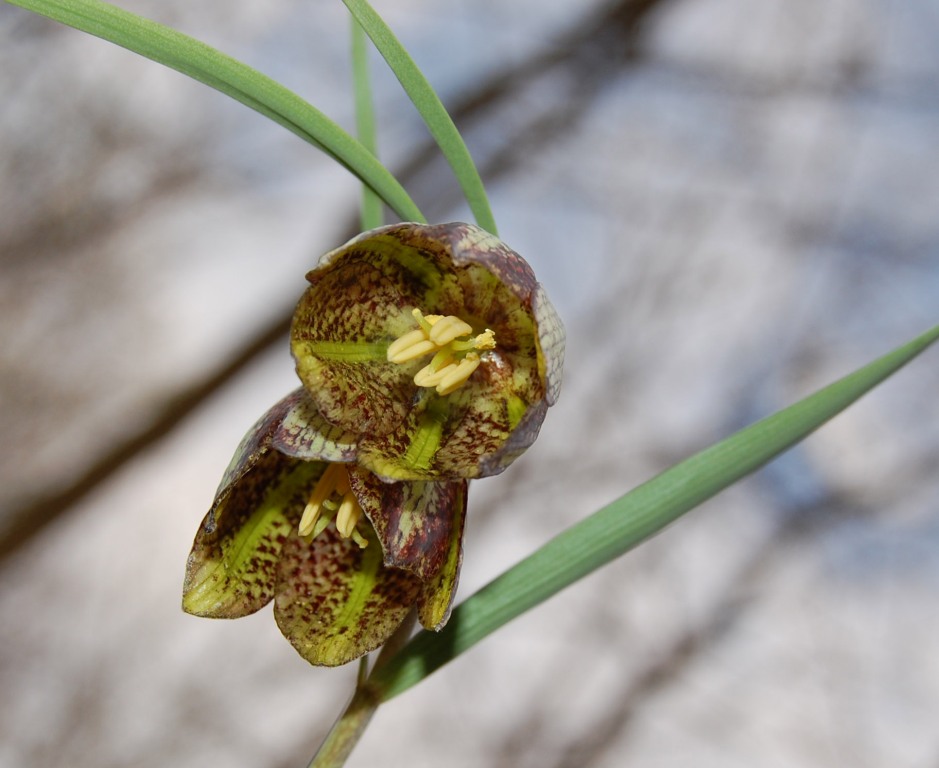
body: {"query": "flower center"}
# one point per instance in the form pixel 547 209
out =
pixel 455 350
pixel 333 498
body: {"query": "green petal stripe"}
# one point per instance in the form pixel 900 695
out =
pixel 348 351
pixel 231 569
pixel 335 601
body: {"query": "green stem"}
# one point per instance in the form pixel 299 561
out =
pixel 348 729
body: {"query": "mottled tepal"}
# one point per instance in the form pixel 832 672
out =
pixel 428 356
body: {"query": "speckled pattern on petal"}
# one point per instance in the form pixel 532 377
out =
pixel 413 521
pixel 304 434
pixel 231 568
pixel 484 426
pixel 335 601
pixel 360 300
pixel 437 595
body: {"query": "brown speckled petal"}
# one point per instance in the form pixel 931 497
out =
pixel 476 431
pixel 336 602
pixel 413 521
pixel 303 433
pixel 360 300
pixel 436 598
pixel 231 568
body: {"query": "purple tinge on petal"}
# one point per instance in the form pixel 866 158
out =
pixel 437 595
pixel 414 521
pixel 519 441
pixel 302 432
pixel 551 339
pixel 359 301
pixel 257 441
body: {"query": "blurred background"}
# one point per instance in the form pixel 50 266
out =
pixel 731 202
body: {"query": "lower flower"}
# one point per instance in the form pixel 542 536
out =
pixel 343 555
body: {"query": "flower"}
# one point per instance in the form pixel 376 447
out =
pixel 334 598
pixel 389 311
pixel 428 356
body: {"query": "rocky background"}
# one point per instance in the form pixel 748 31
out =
pixel 731 202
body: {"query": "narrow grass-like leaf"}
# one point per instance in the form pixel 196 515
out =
pixel 630 520
pixel 233 78
pixel 431 109
pixel 365 121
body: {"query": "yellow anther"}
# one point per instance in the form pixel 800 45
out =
pixel 412 345
pixel 348 515
pixel 325 488
pixel 447 329
pixel 456 350
pixel 332 485
pixel 403 342
pixel 429 377
pixel 311 514
pixel 456 377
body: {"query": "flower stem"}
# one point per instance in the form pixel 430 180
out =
pixel 348 729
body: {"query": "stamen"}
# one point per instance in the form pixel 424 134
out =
pixel 456 350
pixel 348 515
pixel 323 490
pixel 428 377
pixel 448 329
pixel 310 515
pixel 321 525
pixel 404 342
pixel 425 322
pixel 411 346
pixel 332 498
pixel 457 377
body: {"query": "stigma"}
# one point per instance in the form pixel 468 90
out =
pixel 451 341
pixel 332 498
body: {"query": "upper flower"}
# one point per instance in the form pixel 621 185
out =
pixel 434 344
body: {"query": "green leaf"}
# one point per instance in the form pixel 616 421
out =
pixel 630 520
pixel 431 109
pixel 365 122
pixel 233 78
